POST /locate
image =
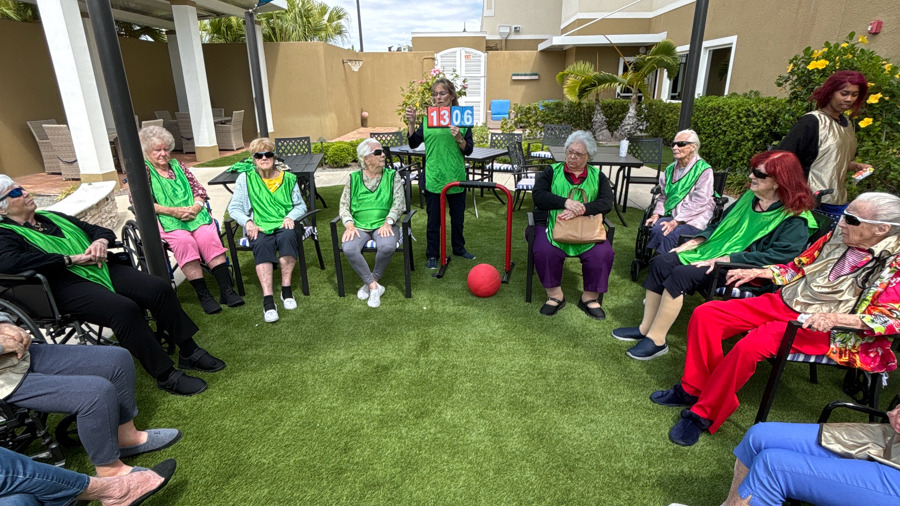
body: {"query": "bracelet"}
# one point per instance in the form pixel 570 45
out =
pixel 68 260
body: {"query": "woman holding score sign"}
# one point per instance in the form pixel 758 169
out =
pixel 445 149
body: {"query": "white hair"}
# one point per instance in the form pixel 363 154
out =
pixel 692 137
pixel 365 149
pixel 885 207
pixel 584 137
pixel 6 184
pixel 153 135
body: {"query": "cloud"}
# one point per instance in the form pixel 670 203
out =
pixel 391 22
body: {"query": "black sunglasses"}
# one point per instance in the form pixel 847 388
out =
pixel 264 154
pixel 377 152
pixel 681 144
pixel 14 193
pixel 758 174
pixel 854 221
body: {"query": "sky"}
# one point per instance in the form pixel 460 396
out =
pixel 390 22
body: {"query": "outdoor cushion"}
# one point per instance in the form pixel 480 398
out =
pixel 499 110
pixel 307 233
pixel 542 154
pixel 526 183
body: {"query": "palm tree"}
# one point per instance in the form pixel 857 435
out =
pixel 303 20
pixel 18 11
pixel 580 81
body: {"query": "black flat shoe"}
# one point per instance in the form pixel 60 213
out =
pixel 596 313
pixel 180 383
pixel 200 360
pixel 550 309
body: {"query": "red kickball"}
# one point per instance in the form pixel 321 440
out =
pixel 484 280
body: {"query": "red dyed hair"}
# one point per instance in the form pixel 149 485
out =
pixel 792 190
pixel 835 83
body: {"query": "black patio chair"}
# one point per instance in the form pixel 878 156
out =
pixel 554 135
pixel 289 146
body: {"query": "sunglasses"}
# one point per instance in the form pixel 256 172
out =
pixel 14 193
pixel 854 221
pixel 758 174
pixel 377 152
pixel 681 144
pixel 264 154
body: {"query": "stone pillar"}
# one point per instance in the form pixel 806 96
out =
pixel 193 69
pixel 70 54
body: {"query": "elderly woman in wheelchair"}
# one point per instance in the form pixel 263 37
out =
pixel 685 203
pixel 96 383
pixel 267 202
pixel 371 204
pixel 72 255
pixel 184 222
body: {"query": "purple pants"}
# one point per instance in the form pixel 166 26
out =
pixel 596 263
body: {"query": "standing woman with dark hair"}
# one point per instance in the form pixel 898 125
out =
pixel 824 139
pixel 445 149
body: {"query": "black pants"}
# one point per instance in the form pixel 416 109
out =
pixel 667 272
pixel 456 203
pixel 124 312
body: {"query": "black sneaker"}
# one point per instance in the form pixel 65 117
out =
pixel 646 349
pixel 431 263
pixel 180 383
pixel 200 360
pixel 466 255
pixel 208 303
pixel 230 298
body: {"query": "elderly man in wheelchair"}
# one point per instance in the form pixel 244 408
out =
pixel 848 279
pixel 96 383
pixel 72 255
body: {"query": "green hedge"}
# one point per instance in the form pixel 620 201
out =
pixel 732 129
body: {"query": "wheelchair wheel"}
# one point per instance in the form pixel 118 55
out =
pixel 67 432
pixel 133 246
pixel 635 269
pixel 640 244
pixel 21 319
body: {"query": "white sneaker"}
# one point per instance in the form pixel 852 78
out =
pixel 289 303
pixel 375 296
pixel 270 315
pixel 363 292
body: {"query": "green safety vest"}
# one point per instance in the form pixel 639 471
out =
pixel 73 242
pixel 370 208
pixel 444 162
pixel 175 193
pixel 741 228
pixel 561 186
pixel 270 208
pixel 676 191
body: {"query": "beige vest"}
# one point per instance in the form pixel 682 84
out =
pixel 837 148
pixel 815 293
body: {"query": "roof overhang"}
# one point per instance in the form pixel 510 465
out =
pixel 561 43
pixel 158 13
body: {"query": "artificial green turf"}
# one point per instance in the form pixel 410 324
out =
pixel 445 398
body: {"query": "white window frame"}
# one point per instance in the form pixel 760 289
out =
pixel 708 47
pixel 622 93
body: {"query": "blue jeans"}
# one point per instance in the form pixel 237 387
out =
pixel 786 461
pixel 24 481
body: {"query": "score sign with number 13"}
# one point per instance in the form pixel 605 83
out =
pixel 444 117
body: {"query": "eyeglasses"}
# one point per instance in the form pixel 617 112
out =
pixel 758 174
pixel 681 144
pixel 576 154
pixel 14 193
pixel 854 221
pixel 440 93
pixel 377 152
pixel 263 154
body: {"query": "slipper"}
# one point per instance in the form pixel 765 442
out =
pixel 157 439
pixel 550 309
pixel 165 469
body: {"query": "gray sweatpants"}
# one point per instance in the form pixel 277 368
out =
pixel 385 247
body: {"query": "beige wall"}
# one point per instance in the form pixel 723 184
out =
pixel 536 17
pixel 500 67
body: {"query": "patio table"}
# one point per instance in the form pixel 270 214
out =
pixel 303 166
pixel 609 156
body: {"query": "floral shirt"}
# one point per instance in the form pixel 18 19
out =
pixel 878 309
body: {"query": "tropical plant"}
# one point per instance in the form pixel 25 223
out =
pixel 302 21
pixel 878 123
pixel 580 81
pixel 135 31
pixel 418 92
pixel 18 11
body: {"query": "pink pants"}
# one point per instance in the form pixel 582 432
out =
pixel 716 377
pixel 189 246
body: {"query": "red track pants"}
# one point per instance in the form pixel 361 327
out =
pixel 716 377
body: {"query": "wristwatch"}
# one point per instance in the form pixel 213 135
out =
pixel 389 221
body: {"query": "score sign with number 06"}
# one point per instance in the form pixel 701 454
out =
pixel 444 117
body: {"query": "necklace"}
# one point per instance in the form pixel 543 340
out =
pixel 38 226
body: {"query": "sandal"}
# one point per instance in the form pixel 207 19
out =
pixel 549 309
